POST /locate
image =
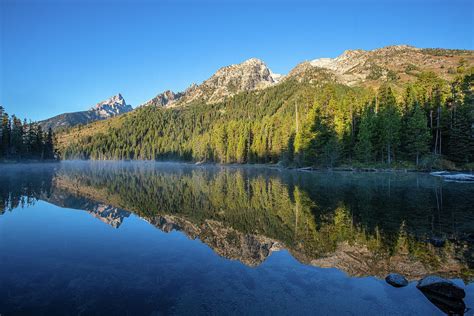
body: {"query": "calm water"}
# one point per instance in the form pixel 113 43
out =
pixel 156 238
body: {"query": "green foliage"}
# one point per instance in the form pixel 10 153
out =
pixel 375 72
pixel 392 75
pixel 389 123
pixel 411 68
pixel 364 146
pixel 22 140
pixel 302 124
pixel 418 134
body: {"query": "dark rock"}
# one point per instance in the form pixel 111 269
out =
pixel 468 238
pixel 436 285
pixel 437 241
pixel 448 305
pixel 396 280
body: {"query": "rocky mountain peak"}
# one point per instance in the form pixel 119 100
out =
pixel 249 75
pixel 359 66
pixel 252 74
pixel 114 105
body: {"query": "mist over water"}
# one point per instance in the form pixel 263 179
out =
pixel 171 238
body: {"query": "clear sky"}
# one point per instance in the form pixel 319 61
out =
pixel 64 56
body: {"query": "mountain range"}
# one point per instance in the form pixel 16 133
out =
pixel 111 107
pixel 398 64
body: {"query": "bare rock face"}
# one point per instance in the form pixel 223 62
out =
pixel 108 214
pixel 163 99
pixel 111 107
pixel 229 243
pixel 250 75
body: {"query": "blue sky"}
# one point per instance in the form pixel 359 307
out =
pixel 64 56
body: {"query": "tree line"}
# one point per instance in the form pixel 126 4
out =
pixel 23 139
pixel 428 122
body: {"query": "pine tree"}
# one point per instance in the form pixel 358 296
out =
pixel 317 140
pixel 39 145
pixel 364 147
pixel 6 134
pixel 49 145
pixel 417 134
pixel 389 122
pixel 16 140
pixel 2 111
pixel 461 140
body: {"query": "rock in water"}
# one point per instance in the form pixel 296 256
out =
pixel 441 287
pixel 396 280
pixel 450 306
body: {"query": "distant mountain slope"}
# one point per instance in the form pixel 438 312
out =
pixel 103 110
pixel 250 75
pixel 399 63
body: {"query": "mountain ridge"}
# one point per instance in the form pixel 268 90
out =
pixel 397 64
pixel 108 108
pixel 251 74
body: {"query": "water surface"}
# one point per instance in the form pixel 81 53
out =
pixel 159 238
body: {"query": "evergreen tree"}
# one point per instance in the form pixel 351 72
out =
pixel 417 134
pixel 2 111
pixel 49 145
pixel 364 147
pixel 6 134
pixel 461 138
pixel 389 123
pixel 21 140
pixel 16 140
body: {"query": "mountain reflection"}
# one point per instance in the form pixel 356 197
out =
pixel 364 224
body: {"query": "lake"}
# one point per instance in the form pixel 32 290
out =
pixel 145 238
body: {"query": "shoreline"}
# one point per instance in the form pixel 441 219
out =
pixel 252 165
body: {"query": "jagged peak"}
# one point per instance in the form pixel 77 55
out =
pixel 112 106
pixel 112 101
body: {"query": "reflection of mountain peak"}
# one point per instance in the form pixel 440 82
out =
pixel 108 214
pixel 67 196
pixel 227 242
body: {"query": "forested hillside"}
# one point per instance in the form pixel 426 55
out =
pixel 428 122
pixel 24 140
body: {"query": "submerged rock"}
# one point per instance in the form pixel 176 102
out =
pixel 396 280
pixel 441 287
pixel 448 305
